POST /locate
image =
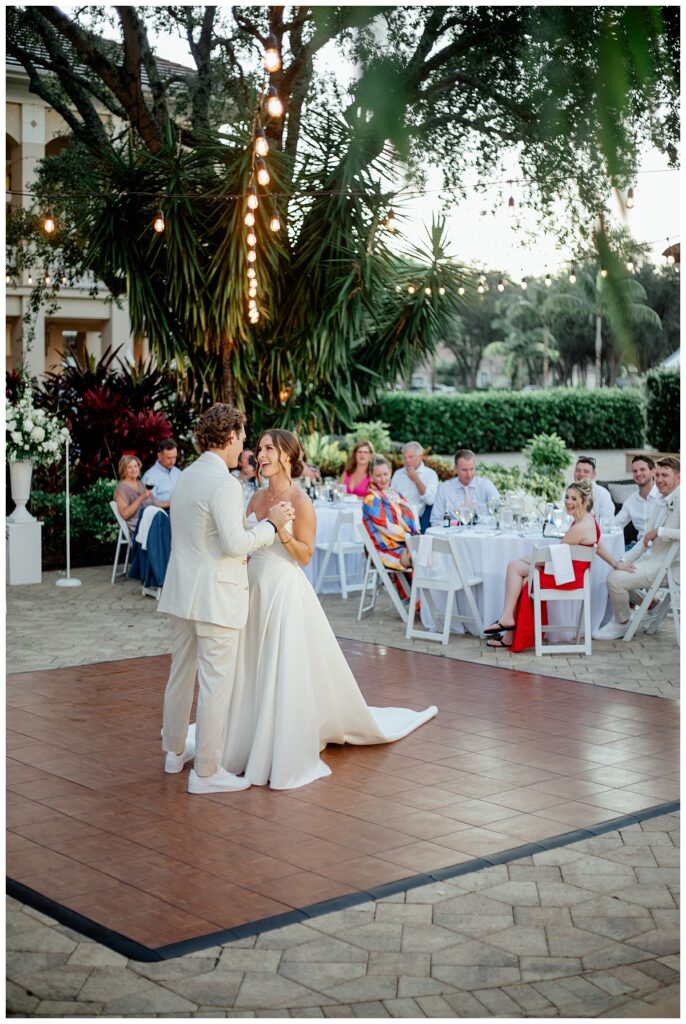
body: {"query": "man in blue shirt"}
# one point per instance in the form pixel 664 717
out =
pixel 465 489
pixel 164 473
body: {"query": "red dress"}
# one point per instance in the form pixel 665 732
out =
pixel 524 636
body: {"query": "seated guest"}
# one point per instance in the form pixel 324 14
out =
pixel 466 489
pixel 246 471
pixel 164 473
pixel 416 482
pixel 388 520
pixel 640 566
pixel 639 505
pixel 603 505
pixel 356 474
pixel 514 628
pixel 130 494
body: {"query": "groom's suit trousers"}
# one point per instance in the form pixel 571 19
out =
pixel 210 650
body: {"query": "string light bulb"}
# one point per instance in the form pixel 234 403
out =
pixel 252 292
pixel 501 285
pixel 253 201
pixel 630 266
pixel 391 222
pixel 272 58
pixel 572 275
pixel 274 104
pixel 427 291
pixel 525 284
pixel 411 289
pixel 49 223
pixel 261 144
pixel 670 255
pixel 63 279
pixel 603 272
pixel 275 223
pixel 252 304
pixel 441 290
pixel 30 278
pixel 249 219
pixel 158 222
pixel 630 199
pixel 548 279
pixel 252 255
pixel 47 278
pixel 480 288
pixel 7 278
pixel 460 290
pixel 251 239
pixel 251 273
pixel 262 172
pixel 511 200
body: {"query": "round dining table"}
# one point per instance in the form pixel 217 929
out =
pixel 327 513
pixel 485 552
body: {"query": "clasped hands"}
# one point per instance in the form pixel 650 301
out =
pixel 282 513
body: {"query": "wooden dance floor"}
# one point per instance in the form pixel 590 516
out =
pixel 102 839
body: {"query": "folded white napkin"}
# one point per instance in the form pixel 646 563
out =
pixel 424 550
pixel 561 563
pixel 147 517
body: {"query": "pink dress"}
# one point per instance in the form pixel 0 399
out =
pixel 362 487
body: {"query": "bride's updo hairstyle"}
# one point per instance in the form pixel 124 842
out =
pixel 584 488
pixel 216 425
pixel 285 444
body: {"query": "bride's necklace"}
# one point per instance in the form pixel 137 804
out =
pixel 278 496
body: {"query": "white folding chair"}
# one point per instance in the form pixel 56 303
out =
pixel 455 580
pixel 374 572
pixel 579 553
pixel 339 548
pixel 669 599
pixel 123 540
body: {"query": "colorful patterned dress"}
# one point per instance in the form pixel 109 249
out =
pixel 388 520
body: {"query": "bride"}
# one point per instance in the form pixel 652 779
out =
pixel 294 692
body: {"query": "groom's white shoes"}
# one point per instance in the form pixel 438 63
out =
pixel 174 763
pixel 221 782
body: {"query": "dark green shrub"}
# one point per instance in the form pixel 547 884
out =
pixel 503 421
pixel 662 409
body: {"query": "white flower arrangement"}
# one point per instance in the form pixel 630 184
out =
pixel 32 434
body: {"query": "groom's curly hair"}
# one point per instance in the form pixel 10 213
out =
pixel 216 424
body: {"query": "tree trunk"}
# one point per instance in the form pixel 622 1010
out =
pixel 546 343
pixel 598 350
pixel 228 383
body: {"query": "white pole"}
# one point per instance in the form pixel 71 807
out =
pixel 67 581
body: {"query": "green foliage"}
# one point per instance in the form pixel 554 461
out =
pixel 322 452
pixel 376 432
pixel 514 478
pixel 547 453
pixel 502 421
pixel 90 515
pixel 663 391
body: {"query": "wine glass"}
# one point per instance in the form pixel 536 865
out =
pixel 466 516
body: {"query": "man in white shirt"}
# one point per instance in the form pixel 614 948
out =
pixel 416 482
pixel 164 473
pixel 603 505
pixel 638 506
pixel 465 489
pixel 640 566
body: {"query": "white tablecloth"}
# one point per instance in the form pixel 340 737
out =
pixel 327 514
pixel 487 553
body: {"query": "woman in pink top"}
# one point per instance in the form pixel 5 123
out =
pixel 356 474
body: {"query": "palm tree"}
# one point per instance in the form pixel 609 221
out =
pixel 529 343
pixel 613 304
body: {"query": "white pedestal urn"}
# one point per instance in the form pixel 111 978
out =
pixel 20 486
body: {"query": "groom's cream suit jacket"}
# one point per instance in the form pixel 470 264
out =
pixel 207 576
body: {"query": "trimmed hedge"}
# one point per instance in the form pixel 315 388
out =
pixel 503 421
pixel 663 409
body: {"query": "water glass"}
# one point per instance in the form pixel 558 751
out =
pixel 506 518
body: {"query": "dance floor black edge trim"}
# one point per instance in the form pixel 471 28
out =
pixel 135 951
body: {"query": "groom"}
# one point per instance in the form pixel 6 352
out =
pixel 206 593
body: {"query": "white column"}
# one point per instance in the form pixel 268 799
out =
pixel 32 146
pixel 33 351
pixel 94 343
pixel 116 332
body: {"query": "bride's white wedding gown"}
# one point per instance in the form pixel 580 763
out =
pixel 294 692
